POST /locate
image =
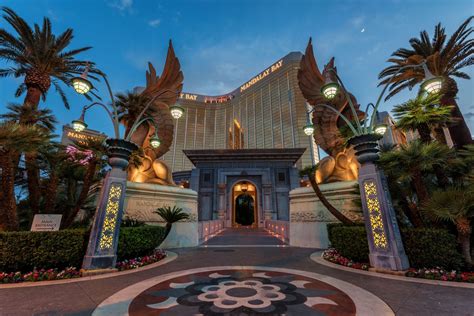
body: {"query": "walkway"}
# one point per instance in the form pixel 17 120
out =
pixel 270 280
pixel 243 237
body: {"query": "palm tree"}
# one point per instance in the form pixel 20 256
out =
pixel 44 120
pixel 412 162
pixel 455 204
pixel 14 138
pixel 41 57
pixel 310 171
pixel 422 114
pixel 129 106
pixel 444 58
pixel 170 216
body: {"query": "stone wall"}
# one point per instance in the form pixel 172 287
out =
pixel 142 199
pixel 309 217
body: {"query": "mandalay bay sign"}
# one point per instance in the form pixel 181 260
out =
pixel 262 75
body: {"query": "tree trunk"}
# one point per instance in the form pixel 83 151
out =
pixel 168 229
pixel 422 195
pixel 341 217
pixel 463 226
pixel 32 171
pixel 50 194
pixel 460 133
pixel 33 96
pixel 8 215
pixel 425 133
pixel 86 185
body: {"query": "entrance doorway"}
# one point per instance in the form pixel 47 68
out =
pixel 244 213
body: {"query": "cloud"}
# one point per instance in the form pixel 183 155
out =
pixel 154 23
pixel 122 5
pixel 357 21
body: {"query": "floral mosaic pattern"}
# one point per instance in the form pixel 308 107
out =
pixel 110 221
pixel 242 292
pixel 375 215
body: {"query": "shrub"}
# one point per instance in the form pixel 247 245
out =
pixel 425 247
pixel 24 251
pixel 139 241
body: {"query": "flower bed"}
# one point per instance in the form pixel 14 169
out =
pixel 141 261
pixel 441 274
pixel 333 256
pixel 72 272
pixel 39 275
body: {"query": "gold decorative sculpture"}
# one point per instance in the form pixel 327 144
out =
pixel 341 164
pixel 163 92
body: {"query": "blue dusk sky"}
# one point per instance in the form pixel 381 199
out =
pixel 222 44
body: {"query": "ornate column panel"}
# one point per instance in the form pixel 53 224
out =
pixel 221 188
pixel 267 201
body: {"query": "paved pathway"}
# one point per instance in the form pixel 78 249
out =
pixel 213 280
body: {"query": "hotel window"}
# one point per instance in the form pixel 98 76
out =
pixel 236 136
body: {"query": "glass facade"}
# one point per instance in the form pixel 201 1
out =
pixel 268 111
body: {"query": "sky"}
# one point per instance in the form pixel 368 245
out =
pixel 222 44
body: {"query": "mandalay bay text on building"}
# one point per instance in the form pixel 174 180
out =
pixel 267 111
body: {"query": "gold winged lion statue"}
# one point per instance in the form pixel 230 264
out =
pixel 341 164
pixel 163 92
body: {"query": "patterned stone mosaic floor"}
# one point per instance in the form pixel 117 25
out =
pixel 237 290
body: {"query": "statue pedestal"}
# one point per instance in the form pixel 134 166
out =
pixel 309 217
pixel 142 199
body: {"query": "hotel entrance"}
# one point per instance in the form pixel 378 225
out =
pixel 244 207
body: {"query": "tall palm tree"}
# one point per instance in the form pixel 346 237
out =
pixel 310 171
pixel 422 114
pixel 446 58
pixel 129 106
pixel 40 57
pixel 14 138
pixel 43 119
pixel 456 205
pixel 412 162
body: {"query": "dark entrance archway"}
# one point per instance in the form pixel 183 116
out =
pixel 244 210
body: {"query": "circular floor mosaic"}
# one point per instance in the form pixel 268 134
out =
pixel 240 290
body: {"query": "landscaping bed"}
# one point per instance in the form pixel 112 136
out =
pixel 57 255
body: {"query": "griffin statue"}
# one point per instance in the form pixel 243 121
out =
pixel 163 92
pixel 341 164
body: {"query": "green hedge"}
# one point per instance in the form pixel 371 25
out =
pixel 23 251
pixel 425 247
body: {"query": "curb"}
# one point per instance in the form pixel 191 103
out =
pixel 170 256
pixel 317 257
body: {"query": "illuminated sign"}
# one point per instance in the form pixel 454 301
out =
pixel 70 136
pixel 218 99
pixel 262 75
pixel 187 96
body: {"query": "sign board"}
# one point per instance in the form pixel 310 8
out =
pixel 70 136
pixel 46 222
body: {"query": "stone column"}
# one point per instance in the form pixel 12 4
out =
pixel 267 201
pixel 221 187
pixel 103 241
pixel 385 244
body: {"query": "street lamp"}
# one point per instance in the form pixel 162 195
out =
pixel 155 141
pixel 81 84
pixel 308 129
pixel 385 244
pixel 103 241
pixel 176 111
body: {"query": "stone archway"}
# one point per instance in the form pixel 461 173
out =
pixel 244 204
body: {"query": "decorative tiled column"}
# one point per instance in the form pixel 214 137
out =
pixel 385 243
pixel 103 241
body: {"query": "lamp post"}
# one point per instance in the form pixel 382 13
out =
pixel 383 235
pixel 103 241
